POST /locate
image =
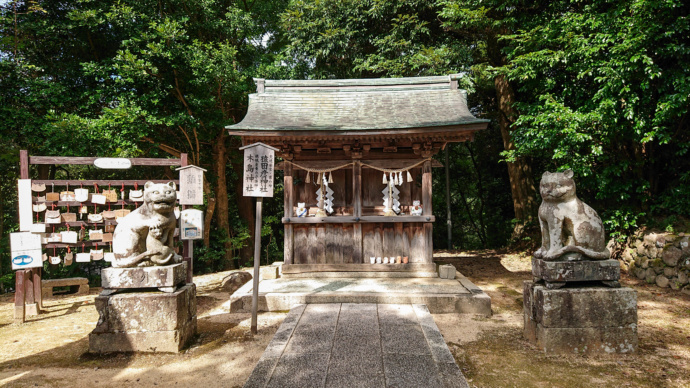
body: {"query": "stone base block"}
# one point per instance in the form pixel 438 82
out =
pixel 145 321
pixel 446 271
pixel 269 272
pixel 580 320
pixel 32 309
pixel 166 278
pixel 557 273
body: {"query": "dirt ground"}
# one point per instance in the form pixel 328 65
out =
pixel 51 350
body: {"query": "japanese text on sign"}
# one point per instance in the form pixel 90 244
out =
pixel 258 172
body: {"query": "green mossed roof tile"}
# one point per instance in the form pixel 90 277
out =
pixel 355 104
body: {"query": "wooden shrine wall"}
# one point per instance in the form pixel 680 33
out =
pixel 336 243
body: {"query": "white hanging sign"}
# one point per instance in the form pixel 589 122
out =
pixel 191 185
pixel 113 163
pixel 25 209
pixel 26 250
pixel 192 224
pixel 259 161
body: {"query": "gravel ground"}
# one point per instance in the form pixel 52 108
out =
pixel 51 350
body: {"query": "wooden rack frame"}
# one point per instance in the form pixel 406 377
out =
pixel 28 295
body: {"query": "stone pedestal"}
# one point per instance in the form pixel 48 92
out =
pixel 556 274
pixel 145 321
pixel 580 320
pixel 165 278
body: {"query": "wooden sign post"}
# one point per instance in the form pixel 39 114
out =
pixel 258 182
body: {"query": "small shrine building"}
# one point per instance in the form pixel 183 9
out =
pixel 357 155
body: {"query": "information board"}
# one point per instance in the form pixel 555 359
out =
pixel 26 250
pixel 258 170
pixel 191 224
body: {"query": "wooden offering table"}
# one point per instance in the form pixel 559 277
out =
pixel 357 155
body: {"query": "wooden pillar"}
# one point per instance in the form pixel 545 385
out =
pixel 187 247
pixel 357 203
pixel 288 204
pixel 27 282
pixel 427 212
pixel 19 310
pixel 38 294
pixel 29 290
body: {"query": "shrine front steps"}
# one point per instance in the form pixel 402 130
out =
pixel 457 295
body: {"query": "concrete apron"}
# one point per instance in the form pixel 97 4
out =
pixel 357 345
pixel 457 295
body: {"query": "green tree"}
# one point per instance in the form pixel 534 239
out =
pixel 605 90
pixel 138 78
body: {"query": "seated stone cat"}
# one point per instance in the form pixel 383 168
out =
pixel 145 236
pixel 570 228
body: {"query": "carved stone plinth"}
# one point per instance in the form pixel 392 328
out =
pixel 580 320
pixel 145 321
pixel 556 274
pixel 164 278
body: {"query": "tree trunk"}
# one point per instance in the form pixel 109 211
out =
pixel 520 173
pixel 221 211
pixel 245 208
pixel 210 209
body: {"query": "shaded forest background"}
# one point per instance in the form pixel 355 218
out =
pixel 601 87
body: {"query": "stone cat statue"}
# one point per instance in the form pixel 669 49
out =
pixel 568 226
pixel 144 237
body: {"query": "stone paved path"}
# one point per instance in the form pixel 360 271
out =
pixel 357 345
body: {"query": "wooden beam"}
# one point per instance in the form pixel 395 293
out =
pixel 24 164
pixel 356 220
pixel 361 133
pixel 89 160
pixel 102 182
pixel 410 267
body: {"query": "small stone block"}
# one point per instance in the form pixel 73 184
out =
pixel 31 309
pixel 447 271
pixel 144 277
pixel 576 271
pixel 269 272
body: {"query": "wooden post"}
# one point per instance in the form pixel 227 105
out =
pixel 38 294
pixel 257 252
pixel 288 204
pixel 427 212
pixel 27 282
pixel 449 222
pixel 357 251
pixel 29 297
pixel 19 310
pixel 187 245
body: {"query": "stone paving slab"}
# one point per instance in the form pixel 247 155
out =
pixel 357 345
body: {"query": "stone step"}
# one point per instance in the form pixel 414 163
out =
pixel 439 295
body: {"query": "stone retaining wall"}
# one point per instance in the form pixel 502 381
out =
pixel 660 258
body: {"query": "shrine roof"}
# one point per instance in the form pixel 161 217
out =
pixel 355 105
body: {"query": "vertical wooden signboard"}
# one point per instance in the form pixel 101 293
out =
pixel 257 182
